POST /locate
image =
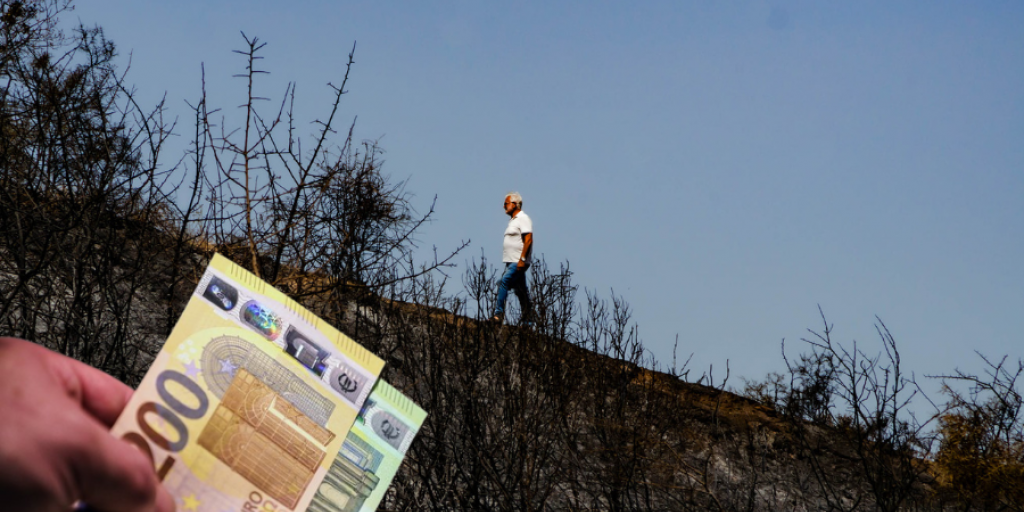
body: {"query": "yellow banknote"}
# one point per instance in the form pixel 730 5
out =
pixel 250 399
pixel 372 453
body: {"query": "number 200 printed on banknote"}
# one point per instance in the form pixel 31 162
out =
pixel 250 399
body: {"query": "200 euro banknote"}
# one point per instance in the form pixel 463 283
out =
pixel 250 398
pixel 372 453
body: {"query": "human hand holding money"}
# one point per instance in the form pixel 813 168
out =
pixel 54 445
pixel 249 400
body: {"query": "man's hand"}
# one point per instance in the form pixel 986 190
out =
pixel 527 245
pixel 55 444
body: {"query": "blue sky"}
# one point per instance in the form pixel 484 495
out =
pixel 724 166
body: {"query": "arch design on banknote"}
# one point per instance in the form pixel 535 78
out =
pixel 224 355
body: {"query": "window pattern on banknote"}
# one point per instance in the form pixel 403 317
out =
pixel 265 439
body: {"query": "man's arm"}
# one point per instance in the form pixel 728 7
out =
pixel 527 244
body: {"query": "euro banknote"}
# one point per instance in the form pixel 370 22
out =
pixel 250 398
pixel 370 457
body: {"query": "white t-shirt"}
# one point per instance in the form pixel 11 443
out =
pixel 513 246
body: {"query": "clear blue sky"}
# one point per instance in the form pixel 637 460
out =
pixel 725 166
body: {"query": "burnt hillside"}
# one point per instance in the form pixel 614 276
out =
pixel 521 419
pixel 562 416
pixel 103 237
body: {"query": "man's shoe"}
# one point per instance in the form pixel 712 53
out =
pixel 498 318
pixel 527 321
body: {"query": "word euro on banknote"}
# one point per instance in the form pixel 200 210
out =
pixel 371 454
pixel 250 398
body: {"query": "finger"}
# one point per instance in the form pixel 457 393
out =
pixel 114 476
pixel 103 396
pixel 164 501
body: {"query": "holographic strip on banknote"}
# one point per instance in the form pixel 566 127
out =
pixel 250 398
pixel 270 318
pixel 372 453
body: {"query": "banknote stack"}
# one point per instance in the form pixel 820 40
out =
pixel 254 403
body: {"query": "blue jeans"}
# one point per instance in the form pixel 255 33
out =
pixel 514 279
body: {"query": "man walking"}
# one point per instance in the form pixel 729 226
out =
pixel 516 251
